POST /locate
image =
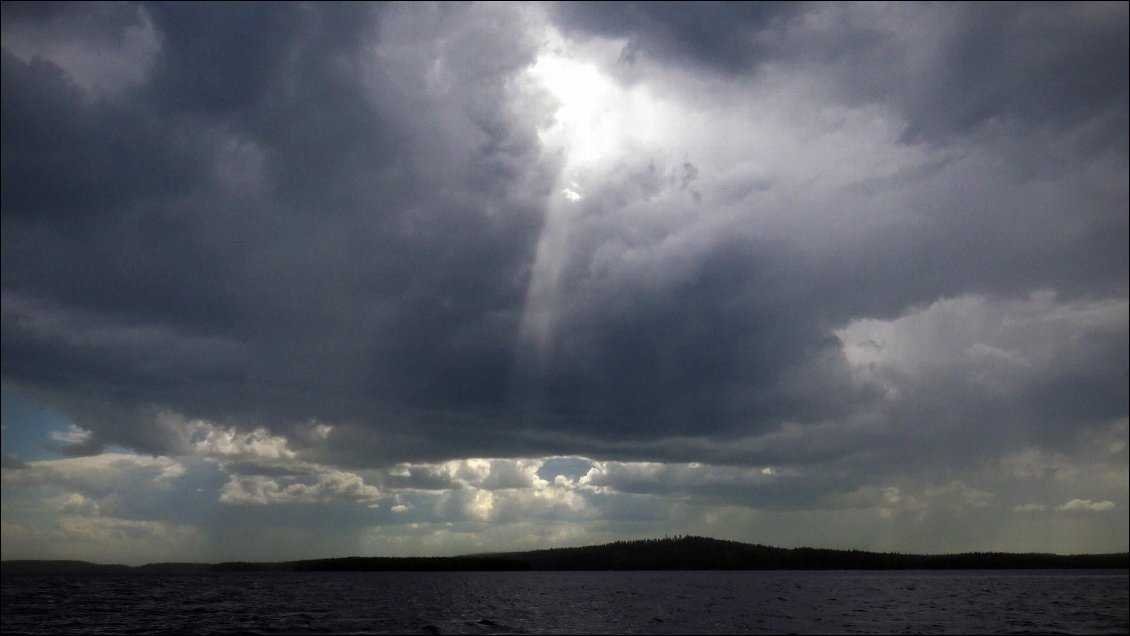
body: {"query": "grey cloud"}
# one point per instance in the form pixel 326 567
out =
pixel 263 469
pixel 950 69
pixel 351 272
pixel 80 159
pixel 126 485
pixel 88 341
pixel 106 49
pixel 84 449
pixel 11 462
pixel 333 214
pixel 721 35
pixel 954 69
pixel 711 353
pixel 990 370
pixel 1058 65
pixel 762 487
pixel 99 21
pixel 420 477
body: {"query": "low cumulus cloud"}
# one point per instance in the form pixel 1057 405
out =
pixel 1086 505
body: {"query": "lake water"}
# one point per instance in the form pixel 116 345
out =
pixel 955 602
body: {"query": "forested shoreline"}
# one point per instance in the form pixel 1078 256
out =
pixel 669 553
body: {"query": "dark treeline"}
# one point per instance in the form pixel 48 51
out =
pixel 702 553
pixel 671 553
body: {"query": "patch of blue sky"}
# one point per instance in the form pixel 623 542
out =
pixel 572 468
pixel 28 427
pixel 33 432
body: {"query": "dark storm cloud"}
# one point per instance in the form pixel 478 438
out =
pixel 721 35
pixel 740 344
pixel 340 278
pixel 101 21
pixel 993 64
pixel 950 68
pixel 333 213
pixel 1055 65
pixel 67 156
pixel 1040 82
pixel 714 353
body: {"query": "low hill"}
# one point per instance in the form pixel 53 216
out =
pixel 678 553
pixel 703 553
pixel 61 567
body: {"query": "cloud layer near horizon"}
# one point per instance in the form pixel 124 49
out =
pixel 846 275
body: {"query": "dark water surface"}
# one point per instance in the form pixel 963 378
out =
pixel 998 602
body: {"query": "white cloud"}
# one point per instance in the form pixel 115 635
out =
pixel 76 504
pixel 201 438
pixel 480 505
pixel 252 459
pixel 472 472
pixel 98 474
pixel 480 490
pixel 324 485
pixel 1086 505
pixel 994 339
pixel 73 435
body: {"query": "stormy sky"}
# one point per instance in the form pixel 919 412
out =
pixel 309 280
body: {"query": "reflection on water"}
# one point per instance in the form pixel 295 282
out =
pixel 572 602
